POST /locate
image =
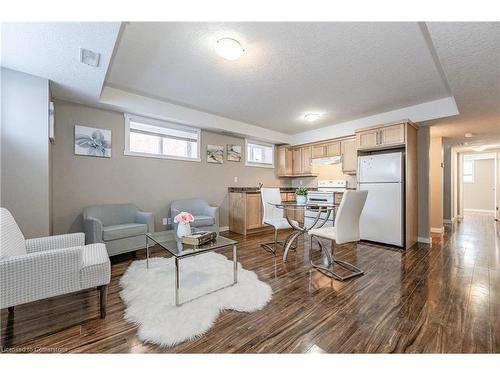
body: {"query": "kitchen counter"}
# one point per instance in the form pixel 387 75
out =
pixel 254 189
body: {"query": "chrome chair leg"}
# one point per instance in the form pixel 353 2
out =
pixel 328 269
pixel 272 246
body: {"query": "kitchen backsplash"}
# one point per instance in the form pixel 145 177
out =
pixel 325 172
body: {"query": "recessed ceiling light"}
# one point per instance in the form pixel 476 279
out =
pixel 479 149
pixel 311 117
pixel 468 135
pixel 229 48
pixel 89 57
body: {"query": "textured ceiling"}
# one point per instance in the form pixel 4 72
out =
pixel 470 56
pixel 51 50
pixel 345 70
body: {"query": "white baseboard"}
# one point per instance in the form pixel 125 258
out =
pixel 437 230
pixel 223 229
pixel 472 210
pixel 424 239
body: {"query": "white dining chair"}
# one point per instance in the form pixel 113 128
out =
pixel 345 229
pixel 273 216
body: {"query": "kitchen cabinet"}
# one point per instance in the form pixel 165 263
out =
pixel 254 211
pixel 294 161
pixel 306 159
pixel 390 135
pixel 284 159
pixel 297 161
pixel 318 151
pixel 245 212
pixel 349 156
pixel 333 149
pixel 380 137
pixel 325 150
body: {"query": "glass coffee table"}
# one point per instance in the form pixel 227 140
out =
pixel 168 241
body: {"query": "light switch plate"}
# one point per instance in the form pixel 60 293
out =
pixel 166 221
pixel 236 179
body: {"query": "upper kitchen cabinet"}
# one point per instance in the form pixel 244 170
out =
pixel 333 149
pixel 325 150
pixel 383 136
pixel 294 161
pixel 306 156
pixel 349 156
pixel 284 158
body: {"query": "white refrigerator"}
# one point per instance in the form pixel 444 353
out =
pixel 382 175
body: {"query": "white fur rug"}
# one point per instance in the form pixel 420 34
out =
pixel 149 296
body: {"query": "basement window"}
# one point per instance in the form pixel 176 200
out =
pixel 259 154
pixel 468 170
pixel 161 139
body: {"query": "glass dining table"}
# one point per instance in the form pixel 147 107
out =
pixel 322 211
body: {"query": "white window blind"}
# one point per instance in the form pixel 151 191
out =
pixel 153 138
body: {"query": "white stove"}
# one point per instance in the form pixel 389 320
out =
pixel 332 185
pixel 325 194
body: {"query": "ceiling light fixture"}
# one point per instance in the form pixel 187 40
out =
pixel 229 48
pixel 311 117
pixel 479 149
pixel 468 135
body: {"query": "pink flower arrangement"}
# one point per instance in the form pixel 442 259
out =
pixel 184 217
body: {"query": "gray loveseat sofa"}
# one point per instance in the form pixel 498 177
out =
pixel 122 227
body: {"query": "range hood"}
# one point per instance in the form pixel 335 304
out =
pixel 327 160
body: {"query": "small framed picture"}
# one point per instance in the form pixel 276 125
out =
pixel 92 141
pixel 233 152
pixel 215 154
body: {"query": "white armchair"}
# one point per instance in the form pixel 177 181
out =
pixel 40 268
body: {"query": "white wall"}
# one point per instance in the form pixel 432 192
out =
pixel 436 184
pixel 423 160
pixel 480 194
pixel 447 183
pixel 150 183
pixel 25 154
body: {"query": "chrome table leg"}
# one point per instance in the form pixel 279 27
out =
pixel 235 264
pixel 147 252
pixel 177 281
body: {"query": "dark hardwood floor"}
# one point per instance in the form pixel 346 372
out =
pixel 443 298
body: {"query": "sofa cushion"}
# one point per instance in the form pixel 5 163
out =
pixel 96 267
pixel 115 232
pixel 202 220
pixel 12 241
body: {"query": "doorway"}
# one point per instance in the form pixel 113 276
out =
pixel 479 183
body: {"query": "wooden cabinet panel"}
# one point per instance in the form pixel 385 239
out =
pixel 318 151
pixel 381 137
pixel 333 149
pixel 284 158
pixel 349 156
pixel 296 161
pixel 253 211
pixel 367 139
pixel 306 160
pixel 391 135
pixel 337 198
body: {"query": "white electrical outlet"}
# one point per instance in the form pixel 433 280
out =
pixel 236 179
pixel 301 182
